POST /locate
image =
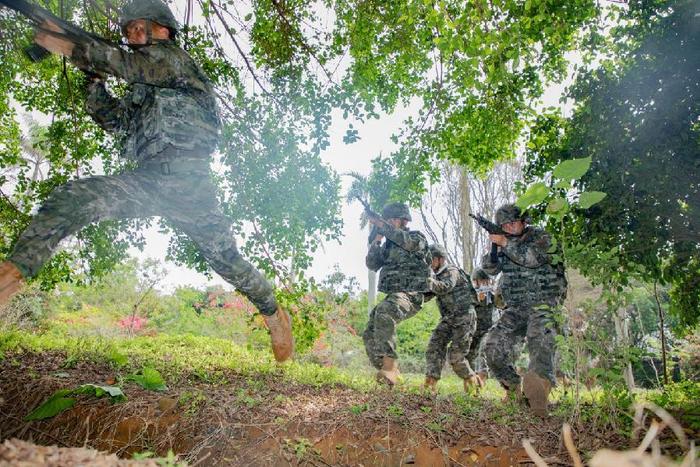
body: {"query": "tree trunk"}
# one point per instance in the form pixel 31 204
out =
pixel 371 289
pixel 622 331
pixel 467 225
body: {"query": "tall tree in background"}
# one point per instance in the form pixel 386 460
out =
pixel 637 116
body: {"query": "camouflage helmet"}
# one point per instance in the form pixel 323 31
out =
pixel 151 10
pixel 438 251
pixel 479 274
pixel 396 211
pixel 509 213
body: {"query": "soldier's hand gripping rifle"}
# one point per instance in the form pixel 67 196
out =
pixel 43 21
pixel 370 215
pixel 491 228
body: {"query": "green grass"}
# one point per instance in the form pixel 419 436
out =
pixel 202 357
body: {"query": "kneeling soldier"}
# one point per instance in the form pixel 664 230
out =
pixel 456 298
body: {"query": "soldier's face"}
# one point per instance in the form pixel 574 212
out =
pixel 437 263
pixel 514 228
pixel 397 223
pixel 136 32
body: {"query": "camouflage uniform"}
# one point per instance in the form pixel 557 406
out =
pixel 456 299
pixel 170 124
pixel 484 320
pixel 529 280
pixel 404 263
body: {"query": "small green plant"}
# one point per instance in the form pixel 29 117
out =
pixel 192 401
pixel 244 397
pixel 62 400
pixel 395 410
pixel 357 409
pixel 299 446
pixel 149 378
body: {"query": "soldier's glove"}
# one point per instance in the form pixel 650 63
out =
pixel 431 283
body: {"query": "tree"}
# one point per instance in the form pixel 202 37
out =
pixel 637 116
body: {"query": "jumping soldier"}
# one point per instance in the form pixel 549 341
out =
pixel 170 122
pixel 456 299
pixel 532 288
pixel 403 262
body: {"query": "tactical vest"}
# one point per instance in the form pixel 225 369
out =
pixel 184 116
pixel 458 300
pixel 522 286
pixel 404 271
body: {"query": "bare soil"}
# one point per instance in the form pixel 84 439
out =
pixel 243 420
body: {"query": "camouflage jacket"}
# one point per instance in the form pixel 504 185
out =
pixel 404 260
pixel 485 307
pixel 528 276
pixel 170 101
pixel 454 291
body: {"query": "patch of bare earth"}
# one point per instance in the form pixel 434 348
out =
pixel 264 421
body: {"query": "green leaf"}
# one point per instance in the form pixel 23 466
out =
pixel 558 206
pixel 563 184
pixel 534 195
pixel 149 379
pixel 53 406
pixel 589 198
pixel 115 393
pixel 572 169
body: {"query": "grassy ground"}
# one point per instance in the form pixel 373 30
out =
pixel 226 403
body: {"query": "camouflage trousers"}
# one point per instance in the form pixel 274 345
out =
pixel 456 332
pixel 380 335
pixel 484 321
pixel 174 185
pixel 505 341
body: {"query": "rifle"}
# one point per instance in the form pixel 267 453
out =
pixel 491 228
pixel 39 16
pixel 370 214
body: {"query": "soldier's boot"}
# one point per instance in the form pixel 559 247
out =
pixel 280 327
pixel 430 384
pixel 389 374
pixel 514 394
pixel 536 390
pixel 10 281
pixel 473 383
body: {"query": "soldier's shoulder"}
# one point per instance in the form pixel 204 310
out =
pixel 418 233
pixel 535 233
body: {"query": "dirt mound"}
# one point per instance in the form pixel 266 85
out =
pixel 229 418
pixel 23 454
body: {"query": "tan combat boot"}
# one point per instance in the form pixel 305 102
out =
pixel 430 384
pixel 536 390
pixel 10 281
pixel 473 382
pixel 389 374
pixel 280 327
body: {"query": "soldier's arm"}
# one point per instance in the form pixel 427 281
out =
pixel 490 267
pixel 147 66
pixel 444 284
pixel 408 240
pixel 375 257
pixel 106 110
pixel 530 251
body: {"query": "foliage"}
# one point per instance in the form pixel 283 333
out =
pixel 60 401
pixel 148 378
pixel 636 119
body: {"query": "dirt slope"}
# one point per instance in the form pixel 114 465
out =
pixel 238 420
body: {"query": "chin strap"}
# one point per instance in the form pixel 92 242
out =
pixel 149 32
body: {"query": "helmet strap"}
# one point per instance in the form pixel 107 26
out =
pixel 149 32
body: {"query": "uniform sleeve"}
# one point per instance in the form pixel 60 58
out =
pixel 149 65
pixel 530 251
pixel 107 111
pixel 409 240
pixel 490 267
pixel 445 283
pixel 375 257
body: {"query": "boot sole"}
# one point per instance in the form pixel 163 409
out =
pixel 384 379
pixel 535 394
